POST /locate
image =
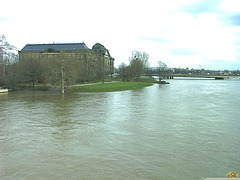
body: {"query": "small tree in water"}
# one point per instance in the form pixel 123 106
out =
pixel 163 70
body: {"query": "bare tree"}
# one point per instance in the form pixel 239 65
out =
pixel 163 69
pixel 31 71
pixel 6 55
pixel 124 71
pixel 138 63
pixel 13 76
pixel 63 71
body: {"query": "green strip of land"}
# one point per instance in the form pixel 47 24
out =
pixel 109 87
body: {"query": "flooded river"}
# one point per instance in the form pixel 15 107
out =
pixel 188 129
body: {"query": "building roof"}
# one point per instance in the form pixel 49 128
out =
pixel 98 46
pixel 57 47
pixel 101 48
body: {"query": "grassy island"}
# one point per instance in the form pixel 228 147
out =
pixel 112 86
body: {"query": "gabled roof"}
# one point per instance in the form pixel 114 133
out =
pixel 57 47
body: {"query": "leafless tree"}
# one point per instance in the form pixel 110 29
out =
pixel 162 69
pixel 138 63
pixel 7 55
pixel 124 71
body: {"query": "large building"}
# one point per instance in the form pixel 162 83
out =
pixel 94 61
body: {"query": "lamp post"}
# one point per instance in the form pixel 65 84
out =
pixel 103 53
pixel 62 77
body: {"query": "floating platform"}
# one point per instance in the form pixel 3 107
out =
pixel 163 82
pixel 219 78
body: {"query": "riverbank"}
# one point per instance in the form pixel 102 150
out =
pixel 109 87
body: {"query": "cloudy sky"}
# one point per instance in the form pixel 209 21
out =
pixel 182 33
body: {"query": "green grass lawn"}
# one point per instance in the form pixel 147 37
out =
pixel 109 87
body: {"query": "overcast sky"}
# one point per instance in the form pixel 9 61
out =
pixel 182 33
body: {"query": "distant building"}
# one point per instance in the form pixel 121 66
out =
pixel 90 58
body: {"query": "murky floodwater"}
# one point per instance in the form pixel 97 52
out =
pixel 188 129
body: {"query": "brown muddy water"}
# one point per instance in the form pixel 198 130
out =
pixel 188 129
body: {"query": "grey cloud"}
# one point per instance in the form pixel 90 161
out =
pixel 212 6
pixel 237 42
pixel 3 19
pixel 160 40
pixel 183 51
pixel 232 19
pixel 202 6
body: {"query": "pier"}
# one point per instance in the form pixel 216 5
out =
pixel 172 76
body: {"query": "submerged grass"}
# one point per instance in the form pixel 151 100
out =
pixel 109 87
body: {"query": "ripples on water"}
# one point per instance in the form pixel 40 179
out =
pixel 184 130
